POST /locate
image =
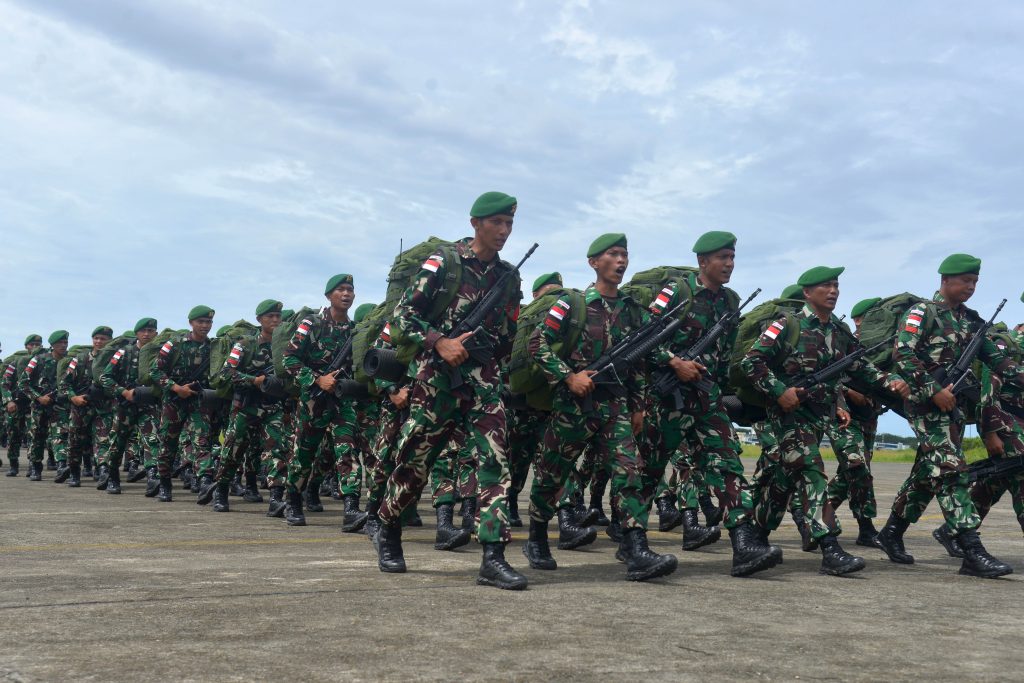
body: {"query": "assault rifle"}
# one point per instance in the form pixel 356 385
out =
pixel 192 381
pixel 995 467
pixel 668 384
pixel 610 370
pixel 340 363
pixel 959 374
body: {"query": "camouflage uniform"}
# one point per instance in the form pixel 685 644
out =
pixel 17 422
pixel 438 412
pixel 854 446
pixel 182 360
pixel 607 429
pixel 91 423
pixel 931 336
pixel 135 427
pixel 525 431
pixel 49 423
pixel 773 366
pixel 353 470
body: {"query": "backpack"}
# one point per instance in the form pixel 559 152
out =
pixel 14 358
pixel 881 321
pixel 524 375
pixel 102 359
pixel 283 334
pixel 366 333
pixel 24 359
pixel 644 286
pixel 220 348
pixel 148 352
pixel 752 326
pixel 79 351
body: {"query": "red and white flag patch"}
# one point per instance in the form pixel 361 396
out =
pixel 117 357
pixel 914 320
pixel 31 365
pixel 557 314
pixel 304 327
pixel 661 301
pixel 72 365
pixel 433 263
pixel 235 355
pixel 774 330
pixel 9 371
pixel 385 334
pixel 166 348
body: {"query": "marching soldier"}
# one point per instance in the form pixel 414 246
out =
pixel 16 406
pixel 39 383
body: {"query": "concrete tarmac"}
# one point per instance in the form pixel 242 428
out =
pixel 123 588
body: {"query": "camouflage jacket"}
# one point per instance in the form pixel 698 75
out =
pixel 180 361
pixel 40 376
pixel 314 345
pixel 77 379
pixel 249 358
pixel 773 366
pixel 1002 403
pixel 9 383
pixel 412 313
pixel 707 308
pixel 932 336
pixel 608 322
pixel 122 371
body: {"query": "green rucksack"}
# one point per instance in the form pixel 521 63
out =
pixel 524 375
pixel 148 352
pixel 220 348
pixel 14 358
pixel 366 333
pixel 102 359
pixel 644 286
pixel 881 321
pixel 283 334
pixel 23 360
pixel 79 351
pixel 752 326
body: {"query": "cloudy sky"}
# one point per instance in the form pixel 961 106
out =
pixel 160 154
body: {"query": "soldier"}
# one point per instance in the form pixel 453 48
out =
pixel 799 418
pixel 472 410
pixel 135 419
pixel 90 410
pixel 608 428
pixel 17 406
pixel 698 435
pixel 318 341
pixel 39 383
pixel 257 416
pixel 181 369
pixel 932 337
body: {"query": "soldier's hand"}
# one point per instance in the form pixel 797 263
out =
pixel 901 388
pixel 636 420
pixel 789 400
pixel 128 394
pixel 579 383
pixel 856 398
pixel 687 370
pixel 400 398
pixel 945 400
pixel 843 418
pixel 259 381
pixel 994 444
pixel 79 400
pixel 183 391
pixel 327 382
pixel 12 407
pixel 452 351
pixel 45 400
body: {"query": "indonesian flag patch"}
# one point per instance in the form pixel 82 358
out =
pixel 117 357
pixel 9 371
pixel 433 263
pixel 385 334
pixel 235 355
pixel 72 365
pixel 774 330
pixel 31 365
pixel 914 320
pixel 304 327
pixel 166 348
pixel 661 301
pixel 557 314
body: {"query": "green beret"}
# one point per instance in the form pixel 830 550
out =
pixel 862 306
pixel 33 339
pixel 793 292
pixel 819 274
pixel 144 323
pixel 59 335
pixel 492 204
pixel 337 281
pixel 222 330
pixel 605 242
pixel 200 312
pixel 713 241
pixel 269 306
pixel 958 264
pixel 128 333
pixel 547 279
pixel 362 310
pixel 102 329
pixel 287 313
pixel 1022 298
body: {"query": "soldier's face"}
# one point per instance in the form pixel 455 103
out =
pixel 341 297
pixel 201 327
pixel 823 297
pixel 61 347
pixel 716 267
pixel 146 335
pixel 493 231
pixel 610 265
pixel 959 288
pixel 99 341
pixel 33 346
pixel 269 321
pixel 544 290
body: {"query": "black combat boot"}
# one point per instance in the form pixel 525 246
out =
pixel 469 514
pixel 51 464
pixel 449 537
pixel 220 498
pixel 977 561
pixel 102 476
pixel 642 563
pixel 354 518
pixel 293 510
pixel 808 543
pixel 236 489
pixel 496 571
pixel 571 536
pixel 514 520
pixel 152 483
pixel 372 525
pixel 114 482
pixel 164 495
pixel 198 482
pixel 35 471
pixel 835 561
pixel 750 554
pixel 949 542
pixel 412 518
pixel 537 550
pixel 63 472
pixel 206 492
pixel 388 542
pixel 136 472
pixel 712 513
pixel 12 470
pixel 669 516
pixel 697 536
pixel 325 485
pixel 335 489
pixel 583 515
pixel 890 540
pixel 614 528
pixel 252 491
pixel 868 535
pixel 313 503
pixel 75 476
pixel 597 507
pixel 277 504
pixel 87 470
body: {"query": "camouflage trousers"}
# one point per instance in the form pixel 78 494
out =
pixel 391 421
pixel 940 472
pixel 175 415
pixel 255 436
pixel 316 417
pixel 17 431
pixel 90 433
pixel 687 494
pixel 608 433
pixel 795 470
pixel 356 465
pixel 525 431
pixel 853 448
pixel 453 476
pixel 473 414
pixel 697 439
pixel 134 431
pixel 767 462
pixel 592 469
pixel 987 492
pixel 49 432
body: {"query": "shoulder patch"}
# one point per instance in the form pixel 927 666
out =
pixel 556 314
pixel 385 334
pixel 661 301
pixel 117 357
pixel 774 330
pixel 72 365
pixel 304 327
pixel 235 355
pixel 433 263
pixel 9 371
pixel 166 348
pixel 914 320
pixel 31 365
